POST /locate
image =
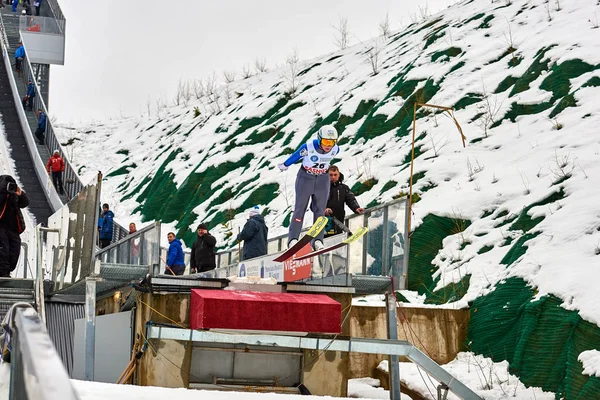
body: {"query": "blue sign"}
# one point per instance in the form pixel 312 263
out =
pixel 314 158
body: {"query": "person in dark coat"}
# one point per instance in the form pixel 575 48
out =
pixel 175 258
pixel 340 195
pixel 254 235
pixel 12 224
pixel 203 251
pixel 105 226
pixel 28 104
pixel 39 132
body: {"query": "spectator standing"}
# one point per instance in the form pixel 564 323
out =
pixel 203 251
pixel 29 95
pixel 254 235
pixel 312 182
pixel 15 3
pixel 132 228
pixel 37 4
pixel 105 226
pixel 340 196
pixel 39 132
pixel 19 55
pixel 56 166
pixel 12 224
pixel 175 259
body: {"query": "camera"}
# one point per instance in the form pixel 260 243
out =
pixel 11 187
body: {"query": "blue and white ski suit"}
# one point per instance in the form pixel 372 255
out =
pixel 312 183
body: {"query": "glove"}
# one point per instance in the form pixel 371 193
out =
pixel 282 167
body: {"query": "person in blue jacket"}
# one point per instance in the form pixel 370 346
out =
pixel 312 180
pixel 175 259
pixel 105 226
pixel 254 235
pixel 15 3
pixel 39 132
pixel 19 56
pixel 30 94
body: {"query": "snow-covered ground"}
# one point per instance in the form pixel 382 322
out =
pixel 502 169
pixel 490 380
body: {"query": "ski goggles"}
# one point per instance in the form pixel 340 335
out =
pixel 328 142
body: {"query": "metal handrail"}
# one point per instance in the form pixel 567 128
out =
pixel 367 211
pixel 37 371
pixel 55 11
pixel 71 181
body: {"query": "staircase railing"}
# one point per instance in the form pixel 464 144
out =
pixel 37 371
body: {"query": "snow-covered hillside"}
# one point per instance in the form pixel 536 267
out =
pixel 523 77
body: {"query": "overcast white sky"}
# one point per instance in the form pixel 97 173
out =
pixel 120 54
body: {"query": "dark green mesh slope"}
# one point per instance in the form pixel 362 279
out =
pixel 540 339
pixel 425 242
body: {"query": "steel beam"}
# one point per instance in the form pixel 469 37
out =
pixel 353 345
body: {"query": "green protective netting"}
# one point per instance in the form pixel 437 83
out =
pixel 470 98
pixel 540 339
pixel 558 82
pixel 451 292
pixel 525 222
pixel 425 243
pixel 388 185
pixel 446 55
pixel 124 170
pixel 249 123
pixel 456 67
pixel 486 22
pixel 361 187
pixel 436 34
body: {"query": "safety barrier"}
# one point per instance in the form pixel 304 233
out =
pixel 37 371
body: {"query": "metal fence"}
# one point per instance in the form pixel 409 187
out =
pixel 139 248
pixel 381 252
pixel 72 183
pixel 46 25
pixel 37 371
pixel 50 8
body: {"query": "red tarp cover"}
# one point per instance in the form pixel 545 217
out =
pixel 244 310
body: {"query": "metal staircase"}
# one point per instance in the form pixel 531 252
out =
pixel 13 291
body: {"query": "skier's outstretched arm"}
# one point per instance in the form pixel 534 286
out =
pixel 295 157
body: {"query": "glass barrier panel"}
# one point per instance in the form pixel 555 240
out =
pixel 355 250
pixel 396 228
pixel 273 246
pixel 374 262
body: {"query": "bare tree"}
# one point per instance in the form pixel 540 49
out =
pixel 246 71
pixel 291 73
pixel 438 145
pixel 199 89
pixel 229 76
pixel 489 109
pixel 178 99
pixel 342 36
pixel 260 65
pixel 227 95
pixel 373 57
pixel 384 26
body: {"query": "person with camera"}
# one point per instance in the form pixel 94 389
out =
pixel 203 251
pixel 12 224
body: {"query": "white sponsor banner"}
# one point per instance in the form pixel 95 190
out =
pixel 264 267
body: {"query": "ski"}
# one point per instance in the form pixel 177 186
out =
pixel 312 233
pixel 357 235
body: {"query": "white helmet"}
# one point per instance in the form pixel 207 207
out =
pixel 328 133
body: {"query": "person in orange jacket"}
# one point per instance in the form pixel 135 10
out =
pixel 56 165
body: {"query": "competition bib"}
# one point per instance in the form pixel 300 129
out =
pixel 316 163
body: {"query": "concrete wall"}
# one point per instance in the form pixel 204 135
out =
pixel 166 362
pixel 439 333
pixel 327 373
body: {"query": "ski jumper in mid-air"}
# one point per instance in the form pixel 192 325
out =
pixel 312 181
